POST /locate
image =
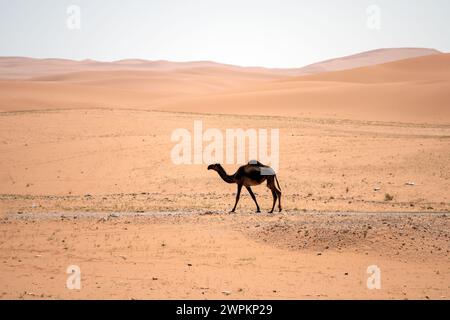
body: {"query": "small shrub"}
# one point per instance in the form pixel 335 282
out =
pixel 388 197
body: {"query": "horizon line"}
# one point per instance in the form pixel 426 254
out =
pixel 220 63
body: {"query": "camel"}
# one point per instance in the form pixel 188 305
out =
pixel 252 174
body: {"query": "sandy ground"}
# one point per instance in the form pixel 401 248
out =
pixel 91 163
pixel 120 160
pixel 87 179
pixel 222 256
pixel 104 161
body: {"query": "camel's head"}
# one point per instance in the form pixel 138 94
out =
pixel 214 166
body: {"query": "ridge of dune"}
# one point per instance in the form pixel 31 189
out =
pixel 368 58
pixel 425 68
pixel 26 68
pixel 23 68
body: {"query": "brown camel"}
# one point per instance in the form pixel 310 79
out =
pixel 251 174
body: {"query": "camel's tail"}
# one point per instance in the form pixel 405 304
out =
pixel 278 184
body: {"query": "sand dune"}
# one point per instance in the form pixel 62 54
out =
pixel 127 88
pixel 428 68
pixel 25 68
pixel 368 58
pixel 413 89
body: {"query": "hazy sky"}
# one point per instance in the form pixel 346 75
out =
pixel 282 33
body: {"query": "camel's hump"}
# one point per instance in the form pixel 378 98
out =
pixel 255 162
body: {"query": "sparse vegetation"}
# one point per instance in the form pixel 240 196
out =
pixel 388 197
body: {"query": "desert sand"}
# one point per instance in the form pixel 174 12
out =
pixel 221 256
pixel 87 179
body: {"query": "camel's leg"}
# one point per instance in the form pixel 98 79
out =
pixel 254 198
pixel 279 198
pixel 238 194
pixel 274 194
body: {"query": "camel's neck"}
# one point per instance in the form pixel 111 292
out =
pixel 227 178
